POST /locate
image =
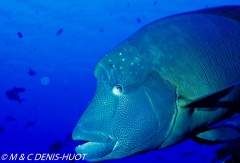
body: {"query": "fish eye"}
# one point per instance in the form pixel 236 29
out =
pixel 118 89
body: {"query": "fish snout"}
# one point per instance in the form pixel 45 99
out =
pixel 96 145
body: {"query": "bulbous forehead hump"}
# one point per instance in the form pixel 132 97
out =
pixel 127 59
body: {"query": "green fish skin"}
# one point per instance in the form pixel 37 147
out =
pixel 167 82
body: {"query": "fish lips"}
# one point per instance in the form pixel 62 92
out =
pixel 96 146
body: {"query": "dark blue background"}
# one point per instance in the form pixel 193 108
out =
pixel 90 30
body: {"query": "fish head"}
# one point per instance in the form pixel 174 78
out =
pixel 132 110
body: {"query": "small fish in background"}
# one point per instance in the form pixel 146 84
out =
pixel 31 72
pixel 10 118
pixel 189 153
pixel 55 147
pixel 138 20
pixel 101 30
pixel 69 137
pixel 30 123
pixel 13 94
pixel 160 158
pixel 155 3
pixel 1 128
pixel 204 159
pixel 229 148
pixel 68 142
pixel 227 134
pixel 59 32
pixel 20 35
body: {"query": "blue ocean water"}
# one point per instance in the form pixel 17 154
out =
pixel 50 48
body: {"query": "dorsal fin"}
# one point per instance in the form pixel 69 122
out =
pixel 232 12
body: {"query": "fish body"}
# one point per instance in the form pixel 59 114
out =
pixel 20 35
pixel 30 123
pixel 13 94
pixel 10 118
pixel 31 72
pixel 166 83
pixel 55 147
pixel 59 32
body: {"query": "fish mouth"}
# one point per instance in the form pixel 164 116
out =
pixel 95 145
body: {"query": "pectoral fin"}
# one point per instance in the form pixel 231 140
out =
pixel 219 134
pixel 212 100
